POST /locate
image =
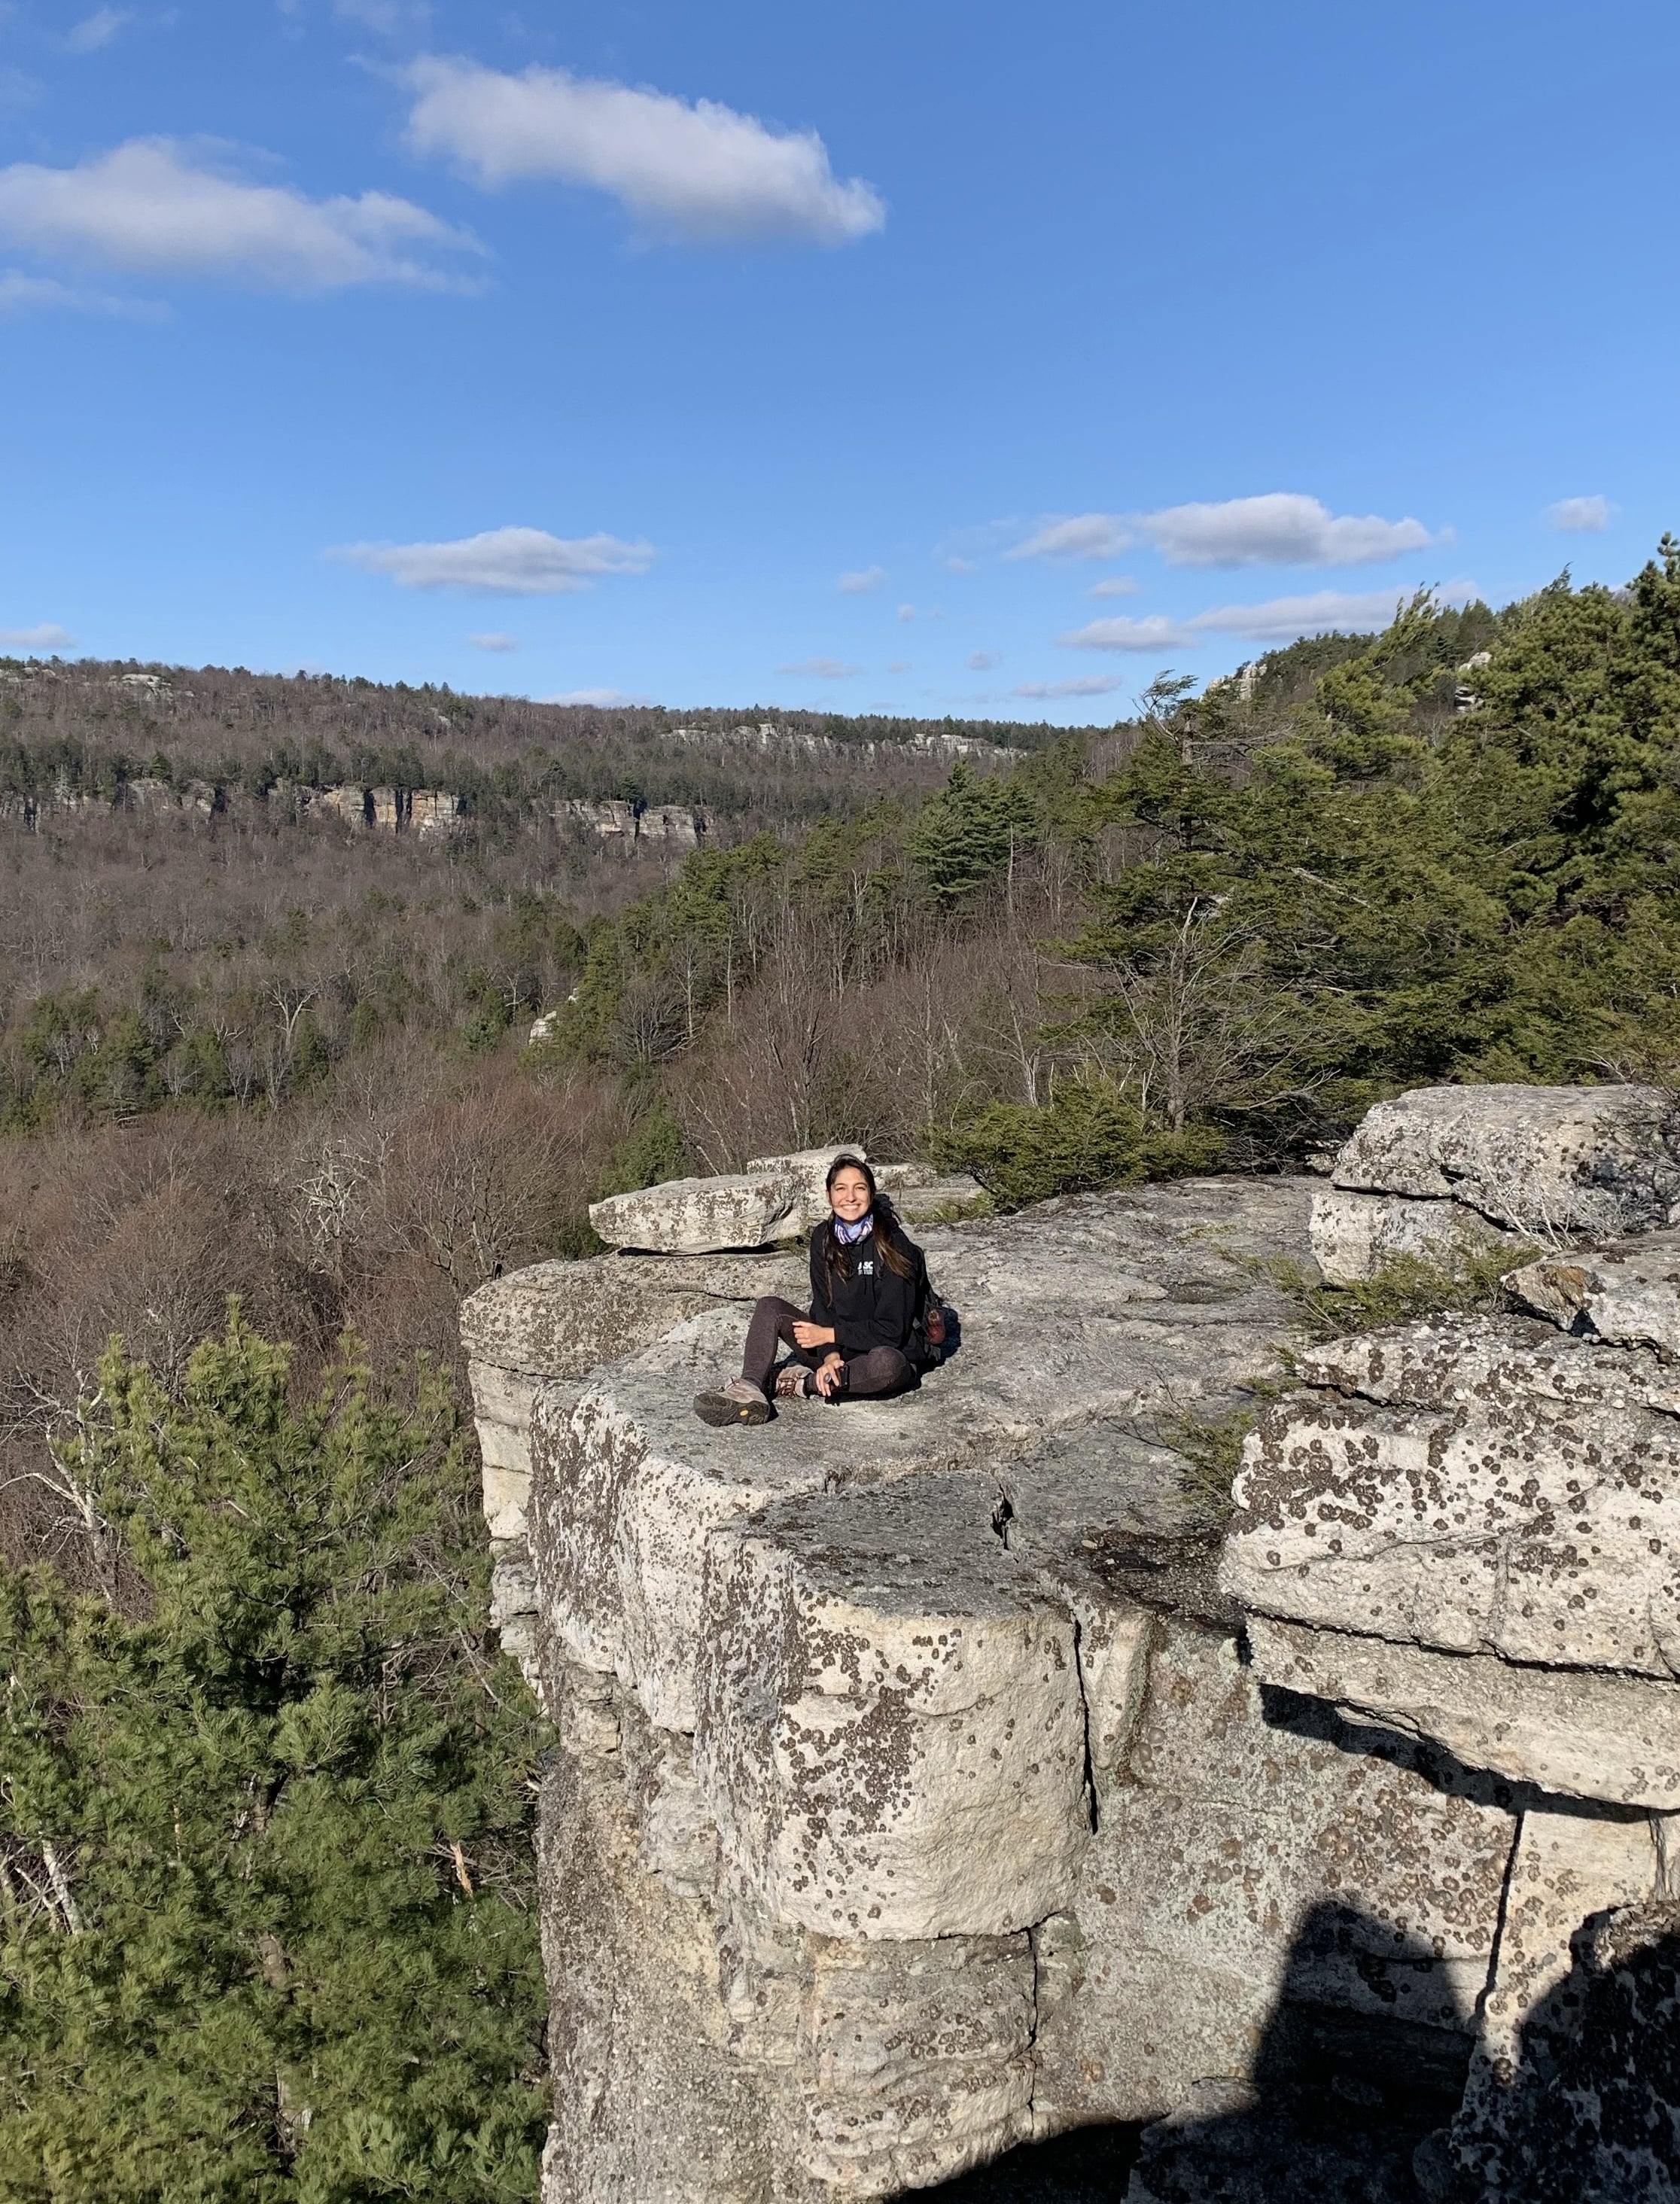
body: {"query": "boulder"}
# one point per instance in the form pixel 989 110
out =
pixel 702 1216
pixel 1629 1295
pixel 1354 1234
pixel 1471 1485
pixel 1538 1164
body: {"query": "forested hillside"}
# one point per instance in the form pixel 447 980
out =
pixel 254 1049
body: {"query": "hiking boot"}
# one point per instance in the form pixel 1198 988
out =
pixel 794 1383
pixel 738 1402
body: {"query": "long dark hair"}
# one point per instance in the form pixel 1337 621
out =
pixel 889 1232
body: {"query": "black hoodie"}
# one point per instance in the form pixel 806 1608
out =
pixel 870 1306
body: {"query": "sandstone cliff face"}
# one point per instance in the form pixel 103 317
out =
pixel 898 1817
pixel 937 1774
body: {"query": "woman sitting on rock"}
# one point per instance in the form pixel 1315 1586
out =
pixel 868 1292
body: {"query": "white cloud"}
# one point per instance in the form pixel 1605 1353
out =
pixel 700 173
pixel 952 564
pixel 1282 529
pixel 825 669
pixel 97 29
pixel 1086 536
pixel 603 698
pixel 159 208
pixel 1093 684
pixel 494 642
pixel 49 635
pixel 1281 619
pixel 508 562
pixel 861 584
pixel 1153 632
pixel 1582 516
pixel 30 294
pixel 900 666
pixel 907 611
pixel 1116 585
pixel 982 661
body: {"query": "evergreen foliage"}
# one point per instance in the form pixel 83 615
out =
pixel 265 1847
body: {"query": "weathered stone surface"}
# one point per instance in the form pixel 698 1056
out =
pixel 1353 1234
pixel 1253 1856
pixel 697 1216
pixel 1524 2133
pixel 1599 1161
pixel 1498 1488
pixel 1584 1734
pixel 1627 1295
pixel 891 1733
pixel 1163 1317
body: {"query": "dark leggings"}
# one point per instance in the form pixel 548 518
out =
pixel 881 1369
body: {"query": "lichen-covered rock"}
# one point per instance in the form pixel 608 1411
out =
pixel 1627 1295
pixel 1582 1734
pixel 1600 1161
pixel 1442 1171
pixel 1575 2085
pixel 1498 1488
pixel 699 1215
pixel 1257 1853
pixel 891 1733
pixel 1163 1316
pixel 1354 1234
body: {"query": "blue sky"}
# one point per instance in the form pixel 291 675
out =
pixel 926 358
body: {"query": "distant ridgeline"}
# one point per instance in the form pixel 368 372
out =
pixel 88 739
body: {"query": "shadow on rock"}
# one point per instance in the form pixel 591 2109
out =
pixel 1593 2107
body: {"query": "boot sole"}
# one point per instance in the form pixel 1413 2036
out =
pixel 720 1412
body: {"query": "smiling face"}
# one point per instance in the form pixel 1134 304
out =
pixel 849 1196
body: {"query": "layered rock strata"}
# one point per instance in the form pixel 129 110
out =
pixel 1468 1530
pixel 917 1794
pixel 1446 1170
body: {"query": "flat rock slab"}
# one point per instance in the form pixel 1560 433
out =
pixel 1472 1485
pixel 1577 1733
pixel 891 1733
pixel 1123 1309
pixel 1601 1161
pixel 694 1215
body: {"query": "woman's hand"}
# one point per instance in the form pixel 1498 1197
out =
pixel 813 1334
pixel 828 1375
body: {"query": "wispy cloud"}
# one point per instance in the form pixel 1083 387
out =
pixel 508 562
pixel 1092 685
pixel 699 172
pixel 982 661
pixel 494 642
pixel 155 207
pixel 825 669
pixel 1279 619
pixel 1116 585
pixel 34 295
pixel 1282 529
pixel 1083 535
pixel 1325 612
pixel 387 19
pixel 97 29
pixel 861 584
pixel 49 635
pixel 900 666
pixel 1582 516
pixel 1154 631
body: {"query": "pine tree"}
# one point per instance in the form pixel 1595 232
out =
pixel 265 1845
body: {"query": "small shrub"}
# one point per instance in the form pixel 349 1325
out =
pixel 1403 1289
pixel 1090 1135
